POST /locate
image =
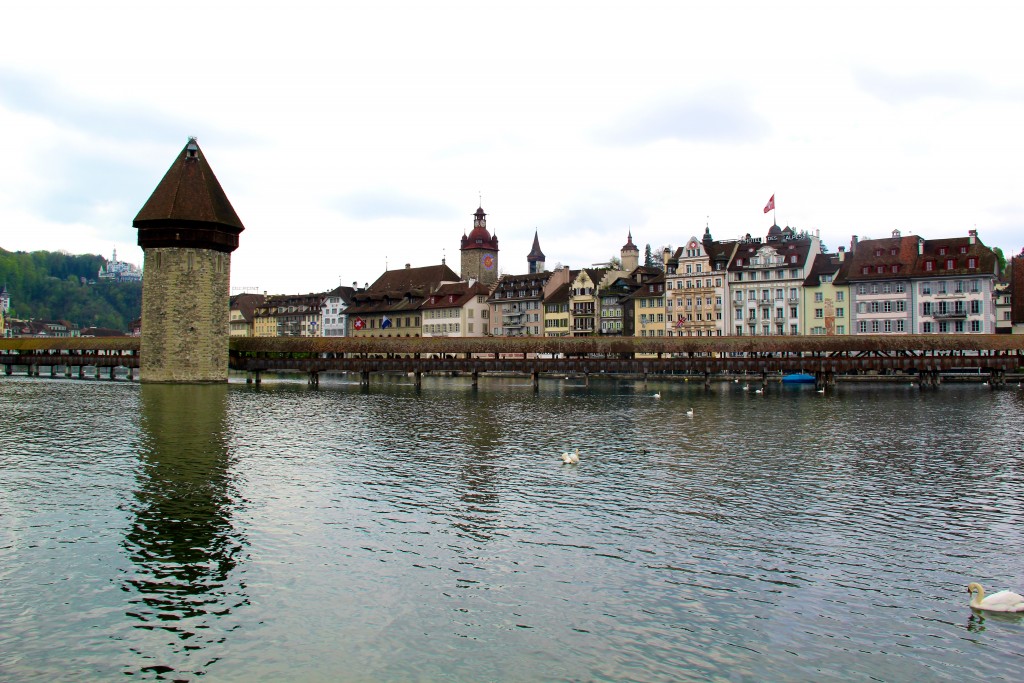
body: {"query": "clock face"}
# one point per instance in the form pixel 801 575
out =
pixel 488 261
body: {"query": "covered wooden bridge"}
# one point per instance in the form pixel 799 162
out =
pixel 926 357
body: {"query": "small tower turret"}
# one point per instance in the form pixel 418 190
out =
pixel 630 254
pixel 480 252
pixel 535 258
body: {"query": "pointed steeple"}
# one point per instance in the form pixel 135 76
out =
pixel 535 258
pixel 629 254
pixel 189 208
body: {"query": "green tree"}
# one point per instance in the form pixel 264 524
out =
pixel 1001 259
pixel 51 286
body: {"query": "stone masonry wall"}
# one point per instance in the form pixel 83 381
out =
pixel 185 327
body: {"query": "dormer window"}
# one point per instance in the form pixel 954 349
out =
pixel 942 251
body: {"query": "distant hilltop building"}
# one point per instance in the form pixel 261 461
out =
pixel 120 271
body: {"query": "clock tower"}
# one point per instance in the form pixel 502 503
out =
pixel 480 252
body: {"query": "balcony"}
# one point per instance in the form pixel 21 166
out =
pixel 951 315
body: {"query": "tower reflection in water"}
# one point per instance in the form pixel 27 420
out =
pixel 182 543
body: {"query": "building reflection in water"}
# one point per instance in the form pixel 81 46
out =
pixel 478 512
pixel 182 543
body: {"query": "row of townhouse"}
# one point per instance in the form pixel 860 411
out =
pixel 782 284
pixel 299 315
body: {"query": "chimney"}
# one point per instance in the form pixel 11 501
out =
pixel 407 266
pixel 972 236
pixel 853 244
pixel 920 246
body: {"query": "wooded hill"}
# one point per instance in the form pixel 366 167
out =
pixel 47 285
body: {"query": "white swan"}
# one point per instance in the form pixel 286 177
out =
pixel 758 391
pixel 689 412
pixel 821 391
pixel 571 458
pixel 1003 601
pixel 657 394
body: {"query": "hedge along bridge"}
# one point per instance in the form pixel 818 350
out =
pixel 926 356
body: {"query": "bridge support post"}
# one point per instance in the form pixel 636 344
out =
pixel 314 378
pixel 707 381
pixel 364 378
pixel 535 376
pixel 97 372
pixel 256 377
pixel 53 371
pixel 67 370
pixel 248 378
pixel 476 378
pixel 586 379
pixel 8 369
pixel 131 374
pixel 81 372
pixel 418 379
pixel 112 371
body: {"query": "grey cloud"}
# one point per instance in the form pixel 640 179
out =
pixel 376 204
pixel 126 123
pixel 78 182
pixel 599 213
pixel 708 117
pixel 899 89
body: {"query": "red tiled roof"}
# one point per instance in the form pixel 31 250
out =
pixel 454 294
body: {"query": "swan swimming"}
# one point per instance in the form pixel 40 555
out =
pixel 1003 601
pixel 657 395
pixel 689 412
pixel 571 458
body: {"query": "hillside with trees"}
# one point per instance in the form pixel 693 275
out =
pixel 45 285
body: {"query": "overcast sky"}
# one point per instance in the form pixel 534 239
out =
pixel 354 136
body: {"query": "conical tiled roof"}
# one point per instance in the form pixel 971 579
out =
pixel 629 246
pixel 188 208
pixel 535 254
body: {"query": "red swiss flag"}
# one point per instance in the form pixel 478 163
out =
pixel 359 324
pixel 770 205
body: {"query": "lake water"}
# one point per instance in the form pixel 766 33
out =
pixel 241 533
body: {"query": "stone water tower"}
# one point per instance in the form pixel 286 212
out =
pixel 187 231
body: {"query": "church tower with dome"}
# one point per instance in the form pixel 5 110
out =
pixel 480 252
